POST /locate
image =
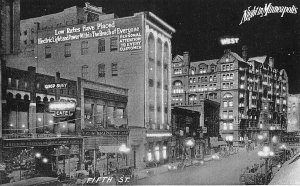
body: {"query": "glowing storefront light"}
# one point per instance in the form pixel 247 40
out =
pixel 149 156
pixel 157 153
pixel 164 152
pixel 159 135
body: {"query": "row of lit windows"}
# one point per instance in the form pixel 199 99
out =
pixel 227 104
pixel 227 67
pixel 85 47
pixel 227 76
pixel 227 114
pixel 178 90
pixel 202 70
pixel 177 71
pixel 204 79
pixel 227 85
pixel 201 88
pixel 227 126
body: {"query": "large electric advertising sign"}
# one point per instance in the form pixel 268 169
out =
pixel 293 114
pixel 128 32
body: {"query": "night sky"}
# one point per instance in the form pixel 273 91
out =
pixel 199 25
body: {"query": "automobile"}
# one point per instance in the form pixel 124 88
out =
pixel 215 157
pixel 173 166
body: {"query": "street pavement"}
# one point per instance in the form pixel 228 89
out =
pixel 218 172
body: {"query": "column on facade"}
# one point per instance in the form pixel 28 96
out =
pixel 94 113
pixel 32 106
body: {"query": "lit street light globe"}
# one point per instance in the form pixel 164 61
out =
pixel 38 155
pixel 124 149
pixel 45 160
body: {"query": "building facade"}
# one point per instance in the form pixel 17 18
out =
pixel 251 92
pixel 293 113
pixel 131 52
pixel 72 124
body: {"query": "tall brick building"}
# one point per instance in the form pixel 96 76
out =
pixel 251 92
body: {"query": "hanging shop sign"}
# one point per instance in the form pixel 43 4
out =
pixel 62 105
pixel 62 113
pixel 55 85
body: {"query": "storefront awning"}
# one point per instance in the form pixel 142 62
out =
pixel 109 149
pixel 218 143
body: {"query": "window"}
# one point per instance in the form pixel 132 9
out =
pixel 48 51
pixel 84 71
pixel 151 83
pixel 25 42
pixel 32 41
pixel 113 44
pixel 101 70
pixel 225 103
pixel 230 103
pixel 225 114
pixel 101 45
pixel 158 84
pixel 213 68
pixel 230 114
pixel 25 32
pixel 84 47
pixel 68 50
pixel 230 126
pixel 224 126
pixel 114 69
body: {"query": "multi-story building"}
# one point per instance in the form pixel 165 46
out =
pixel 40 114
pixel 251 92
pixel 130 52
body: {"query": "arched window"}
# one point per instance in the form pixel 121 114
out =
pixel 177 83
pixel 227 96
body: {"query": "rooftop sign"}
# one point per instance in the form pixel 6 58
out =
pixel 229 41
pixel 264 11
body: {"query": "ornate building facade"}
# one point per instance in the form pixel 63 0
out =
pixel 251 92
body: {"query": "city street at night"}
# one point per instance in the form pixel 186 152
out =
pixel 225 171
pixel 149 92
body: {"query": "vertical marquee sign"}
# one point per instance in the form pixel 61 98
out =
pixel 128 32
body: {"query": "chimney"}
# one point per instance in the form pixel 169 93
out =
pixel 186 58
pixel 271 62
pixel 245 52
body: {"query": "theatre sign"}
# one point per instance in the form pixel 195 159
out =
pixel 128 32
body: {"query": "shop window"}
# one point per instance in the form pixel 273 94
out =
pixel 99 114
pixel 113 44
pixel 84 47
pixel 101 45
pixel 110 115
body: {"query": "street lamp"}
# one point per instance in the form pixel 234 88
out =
pixel 266 153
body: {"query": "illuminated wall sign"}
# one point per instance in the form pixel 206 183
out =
pixel 229 41
pixel 127 30
pixel 62 113
pixel 55 85
pixel 61 106
pixel 159 135
pixel 264 11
